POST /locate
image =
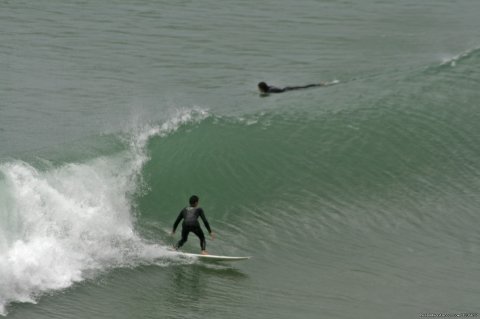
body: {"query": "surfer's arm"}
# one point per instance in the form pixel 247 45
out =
pixel 179 218
pixel 205 221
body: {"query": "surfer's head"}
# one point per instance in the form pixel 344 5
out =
pixel 263 87
pixel 193 200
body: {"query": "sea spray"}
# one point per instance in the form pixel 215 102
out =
pixel 63 224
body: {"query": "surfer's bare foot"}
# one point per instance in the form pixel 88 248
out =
pixel 204 252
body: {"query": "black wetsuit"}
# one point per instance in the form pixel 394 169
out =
pixel 274 89
pixel 190 224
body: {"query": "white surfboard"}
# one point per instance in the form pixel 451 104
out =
pixel 213 257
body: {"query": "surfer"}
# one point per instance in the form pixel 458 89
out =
pixel 190 223
pixel 264 88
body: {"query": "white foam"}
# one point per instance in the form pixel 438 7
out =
pixel 453 59
pixel 60 225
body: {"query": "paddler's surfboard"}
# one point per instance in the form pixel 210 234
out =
pixel 212 257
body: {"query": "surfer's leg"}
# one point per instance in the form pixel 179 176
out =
pixel 290 88
pixel 199 232
pixel 183 240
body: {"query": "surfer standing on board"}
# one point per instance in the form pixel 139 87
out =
pixel 264 88
pixel 190 223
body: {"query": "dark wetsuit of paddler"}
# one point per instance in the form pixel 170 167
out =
pixel 190 223
pixel 264 88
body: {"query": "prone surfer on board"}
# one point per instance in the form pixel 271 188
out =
pixel 190 223
pixel 265 89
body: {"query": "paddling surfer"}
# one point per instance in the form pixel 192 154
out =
pixel 264 88
pixel 190 223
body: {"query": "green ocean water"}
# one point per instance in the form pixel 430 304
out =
pixel 357 200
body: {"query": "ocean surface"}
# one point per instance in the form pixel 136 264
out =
pixel 357 200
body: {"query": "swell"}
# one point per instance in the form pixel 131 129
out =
pixel 389 163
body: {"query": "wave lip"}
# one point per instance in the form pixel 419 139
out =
pixel 452 60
